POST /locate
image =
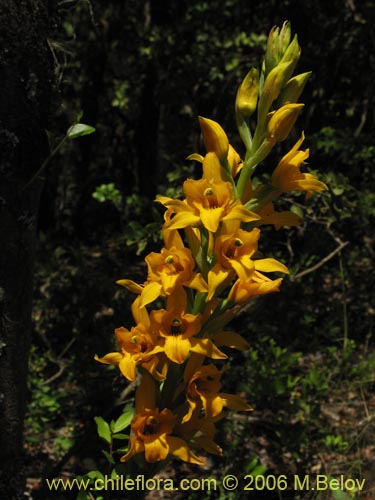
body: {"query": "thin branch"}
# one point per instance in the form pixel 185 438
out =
pixel 320 263
pixel 125 393
pixel 58 374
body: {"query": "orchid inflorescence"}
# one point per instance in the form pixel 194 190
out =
pixel 210 267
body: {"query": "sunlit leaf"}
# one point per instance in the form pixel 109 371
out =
pixel 79 130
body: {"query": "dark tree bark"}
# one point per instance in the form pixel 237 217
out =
pixel 25 82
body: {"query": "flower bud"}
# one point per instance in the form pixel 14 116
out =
pixel 280 61
pixel 272 56
pixel 247 95
pixel 277 44
pixel 282 121
pixel 291 56
pixel 293 89
pixel 284 37
pixel 272 87
pixel 214 138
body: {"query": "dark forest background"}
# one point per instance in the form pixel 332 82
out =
pixel 141 72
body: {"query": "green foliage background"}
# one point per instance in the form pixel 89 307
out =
pixel 141 73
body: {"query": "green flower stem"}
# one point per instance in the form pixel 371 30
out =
pixel 170 385
pixel 45 163
pixel 244 130
pixel 199 303
pixel 266 195
pixel 259 149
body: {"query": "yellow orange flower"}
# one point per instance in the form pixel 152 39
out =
pixel 151 430
pixel 242 291
pixel 201 432
pixel 137 347
pixel 278 219
pixel 234 160
pixel 209 201
pixel 234 254
pixel 166 270
pixel 288 176
pixel 203 392
pixel 177 331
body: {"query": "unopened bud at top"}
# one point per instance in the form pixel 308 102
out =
pixel 277 44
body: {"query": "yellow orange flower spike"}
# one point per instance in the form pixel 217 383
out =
pixel 210 267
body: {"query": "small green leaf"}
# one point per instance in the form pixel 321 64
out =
pixel 259 470
pixel 339 495
pixel 108 457
pixel 95 474
pixel 252 464
pixel 125 449
pixel 120 436
pixel 112 426
pixel 79 130
pixel 124 420
pixel 114 474
pixel 296 210
pixel 103 429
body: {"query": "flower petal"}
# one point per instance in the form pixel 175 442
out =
pixel 157 449
pixel 207 348
pixel 216 276
pixel 232 340
pixel 150 293
pixel 127 367
pixel 270 265
pixel 112 358
pixel 132 286
pixel 234 402
pixel 179 448
pixel 135 447
pixel 211 218
pixel 177 348
pixel 182 220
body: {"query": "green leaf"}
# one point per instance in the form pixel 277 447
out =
pixel 296 210
pixel 339 495
pixel 79 130
pixel 120 436
pixel 259 470
pixel 108 457
pixel 114 474
pixel 95 474
pixel 125 449
pixel 103 429
pixel 124 420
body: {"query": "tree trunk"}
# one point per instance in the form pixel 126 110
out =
pixel 25 83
